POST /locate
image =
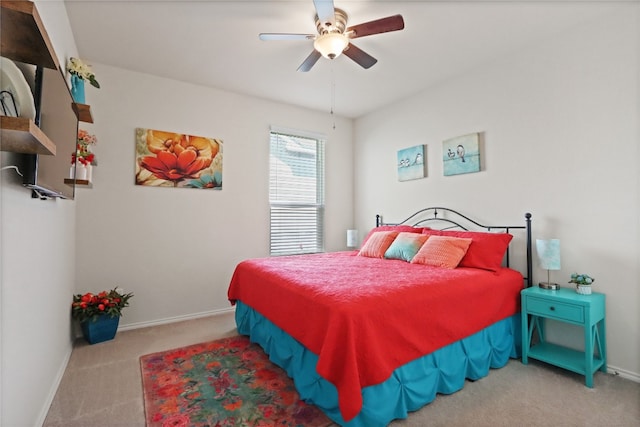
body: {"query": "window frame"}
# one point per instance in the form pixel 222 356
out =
pixel 287 212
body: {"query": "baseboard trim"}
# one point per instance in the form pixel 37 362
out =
pixel 623 373
pixel 175 319
pixel 54 387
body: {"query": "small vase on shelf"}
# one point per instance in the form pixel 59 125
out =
pixel 77 89
pixel 81 171
pixel 89 174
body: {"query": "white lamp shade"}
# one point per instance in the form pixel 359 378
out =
pixel 548 253
pixel 352 238
pixel 331 45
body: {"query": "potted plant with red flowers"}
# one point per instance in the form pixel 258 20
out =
pixel 99 314
pixel 83 159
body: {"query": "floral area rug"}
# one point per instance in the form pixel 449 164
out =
pixel 229 382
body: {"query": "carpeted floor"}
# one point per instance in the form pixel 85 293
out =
pixel 533 395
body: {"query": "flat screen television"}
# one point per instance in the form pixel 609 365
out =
pixel 45 174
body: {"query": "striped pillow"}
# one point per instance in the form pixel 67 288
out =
pixel 442 251
pixel 377 244
pixel 398 228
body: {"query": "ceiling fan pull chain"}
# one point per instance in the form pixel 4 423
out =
pixel 333 96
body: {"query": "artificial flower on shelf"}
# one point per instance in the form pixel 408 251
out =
pixel 80 72
pixel 77 67
pixel 83 152
pixel 83 159
pixel 90 306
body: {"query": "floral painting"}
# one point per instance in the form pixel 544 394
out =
pixel 167 159
pixel 411 164
pixel 461 154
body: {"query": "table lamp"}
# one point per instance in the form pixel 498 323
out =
pixel 352 238
pixel 549 259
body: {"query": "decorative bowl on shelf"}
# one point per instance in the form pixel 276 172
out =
pixel 17 100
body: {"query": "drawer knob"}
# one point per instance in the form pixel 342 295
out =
pixel 552 308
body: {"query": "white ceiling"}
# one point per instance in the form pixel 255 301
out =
pixel 215 43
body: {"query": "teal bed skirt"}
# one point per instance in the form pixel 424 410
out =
pixel 410 387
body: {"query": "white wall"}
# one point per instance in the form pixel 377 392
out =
pixel 176 249
pixel 37 251
pixel 561 128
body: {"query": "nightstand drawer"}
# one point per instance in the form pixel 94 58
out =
pixel 554 309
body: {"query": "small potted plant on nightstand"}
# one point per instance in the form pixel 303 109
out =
pixel 583 283
pixel 99 314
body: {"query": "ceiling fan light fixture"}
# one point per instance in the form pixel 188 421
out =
pixel 331 45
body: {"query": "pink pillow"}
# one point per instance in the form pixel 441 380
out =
pixel 398 228
pixel 377 244
pixel 442 251
pixel 486 250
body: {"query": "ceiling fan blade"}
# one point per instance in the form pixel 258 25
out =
pixel 285 36
pixel 310 61
pixel 325 11
pixel 361 57
pixel 382 25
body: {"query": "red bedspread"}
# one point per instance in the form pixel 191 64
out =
pixel 365 317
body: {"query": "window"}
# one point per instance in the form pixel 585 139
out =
pixel 296 193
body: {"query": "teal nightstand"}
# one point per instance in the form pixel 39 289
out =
pixel 565 305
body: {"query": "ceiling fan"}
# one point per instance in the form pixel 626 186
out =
pixel 334 37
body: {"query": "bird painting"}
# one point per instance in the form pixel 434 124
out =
pixel 461 154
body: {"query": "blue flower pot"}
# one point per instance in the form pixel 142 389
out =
pixel 100 328
pixel 77 89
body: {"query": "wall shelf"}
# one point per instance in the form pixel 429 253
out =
pixel 21 135
pixel 77 182
pixel 23 35
pixel 83 111
pixel 25 39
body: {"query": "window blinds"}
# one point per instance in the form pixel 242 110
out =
pixel 296 194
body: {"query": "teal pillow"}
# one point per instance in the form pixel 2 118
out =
pixel 405 246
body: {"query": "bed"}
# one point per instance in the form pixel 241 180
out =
pixel 371 335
